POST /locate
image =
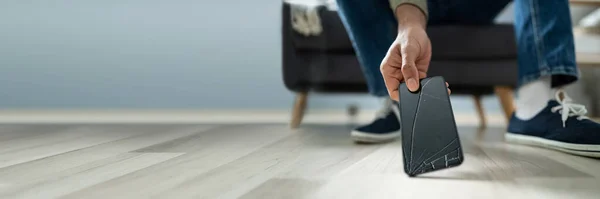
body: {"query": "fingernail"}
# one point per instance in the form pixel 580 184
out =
pixel 412 84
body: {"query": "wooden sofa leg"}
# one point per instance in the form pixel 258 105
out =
pixel 480 111
pixel 505 95
pixel 299 108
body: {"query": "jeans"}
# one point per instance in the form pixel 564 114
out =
pixel 543 30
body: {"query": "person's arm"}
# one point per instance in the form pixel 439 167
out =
pixel 409 56
pixel 421 4
pixel 410 12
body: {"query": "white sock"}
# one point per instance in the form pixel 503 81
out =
pixel 533 98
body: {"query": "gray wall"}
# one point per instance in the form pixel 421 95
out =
pixel 139 53
pixel 147 54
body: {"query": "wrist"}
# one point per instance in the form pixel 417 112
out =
pixel 410 16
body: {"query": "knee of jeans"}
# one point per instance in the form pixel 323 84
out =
pixel 349 4
pixel 345 1
pixel 366 6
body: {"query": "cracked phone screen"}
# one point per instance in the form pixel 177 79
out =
pixel 430 140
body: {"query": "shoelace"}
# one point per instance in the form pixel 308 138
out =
pixel 567 108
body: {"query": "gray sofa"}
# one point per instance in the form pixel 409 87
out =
pixel 475 60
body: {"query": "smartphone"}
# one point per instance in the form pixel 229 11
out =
pixel 430 140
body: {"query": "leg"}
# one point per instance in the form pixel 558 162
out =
pixel 464 12
pixel 480 111
pixel 505 95
pixel 545 41
pixel 372 28
pixel 546 117
pixel 546 52
pixel 299 108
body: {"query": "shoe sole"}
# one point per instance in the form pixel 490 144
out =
pixel 373 138
pixel 576 149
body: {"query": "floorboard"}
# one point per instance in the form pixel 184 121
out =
pixel 269 161
pixel 41 168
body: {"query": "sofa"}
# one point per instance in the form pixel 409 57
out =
pixel 475 60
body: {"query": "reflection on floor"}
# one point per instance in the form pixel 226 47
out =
pixel 268 161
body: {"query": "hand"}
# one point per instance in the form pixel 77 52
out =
pixel 407 60
pixel 409 56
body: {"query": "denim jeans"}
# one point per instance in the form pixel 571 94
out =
pixel 543 30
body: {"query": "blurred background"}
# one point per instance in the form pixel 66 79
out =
pixel 159 55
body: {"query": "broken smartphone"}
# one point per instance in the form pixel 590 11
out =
pixel 430 139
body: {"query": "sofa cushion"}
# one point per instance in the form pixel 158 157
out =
pixel 473 42
pixel 332 35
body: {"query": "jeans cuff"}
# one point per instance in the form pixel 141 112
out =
pixel 379 92
pixel 549 71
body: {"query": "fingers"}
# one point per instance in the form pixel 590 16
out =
pixel 390 70
pixel 448 87
pixel 393 92
pixel 409 68
pixel 392 76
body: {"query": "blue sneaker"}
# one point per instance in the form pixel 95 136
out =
pixel 561 126
pixel 385 127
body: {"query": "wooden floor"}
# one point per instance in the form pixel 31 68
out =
pixel 268 161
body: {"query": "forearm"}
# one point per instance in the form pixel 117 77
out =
pixel 410 12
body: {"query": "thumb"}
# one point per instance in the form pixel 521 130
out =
pixel 409 68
